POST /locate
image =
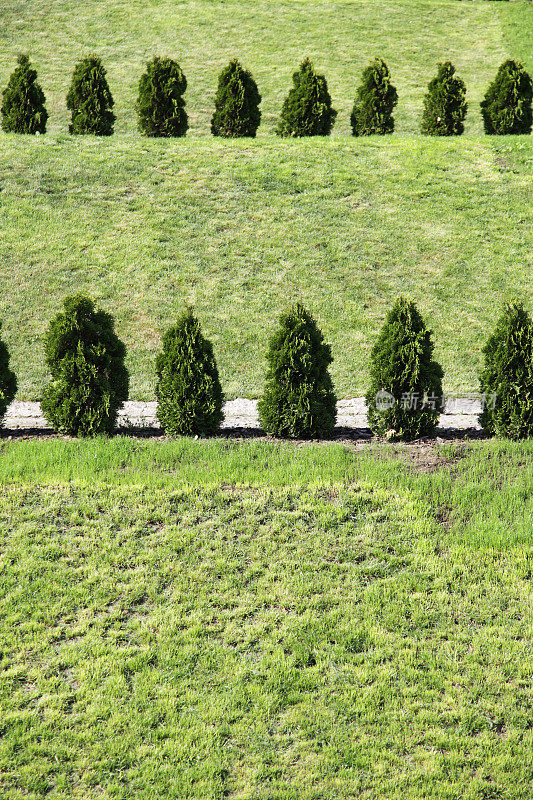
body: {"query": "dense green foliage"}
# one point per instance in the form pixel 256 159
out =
pixel 506 107
pixel 507 377
pixel 307 108
pixel 298 400
pixel 89 380
pixel 160 103
pixel 444 104
pixel 189 396
pixel 23 101
pixel 375 101
pixel 90 100
pixel 8 380
pixel 236 103
pixel 405 390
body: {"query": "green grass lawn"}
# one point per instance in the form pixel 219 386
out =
pixel 210 620
pixel 241 228
pixel 258 621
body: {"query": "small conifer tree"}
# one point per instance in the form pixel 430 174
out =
pixel 375 101
pixel 89 380
pixel 307 108
pixel 507 105
pixel 444 104
pixel 236 103
pixel 405 390
pixel 8 380
pixel 507 378
pixel 298 400
pixel 90 100
pixel 23 101
pixel 189 396
pixel 160 104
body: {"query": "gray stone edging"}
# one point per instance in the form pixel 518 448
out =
pixel 459 413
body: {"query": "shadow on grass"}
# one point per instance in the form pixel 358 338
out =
pixel 340 434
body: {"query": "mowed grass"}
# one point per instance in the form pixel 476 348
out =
pixel 170 631
pixel 242 228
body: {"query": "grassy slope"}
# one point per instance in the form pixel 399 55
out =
pixel 168 633
pixel 239 228
pixel 269 37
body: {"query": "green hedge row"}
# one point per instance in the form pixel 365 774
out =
pixel 89 381
pixel 307 110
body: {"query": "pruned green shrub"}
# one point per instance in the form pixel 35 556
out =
pixel 307 108
pixel 89 380
pixel 507 378
pixel 405 390
pixel 90 100
pixel 236 103
pixel 189 396
pixel 160 104
pixel 507 105
pixel 8 380
pixel 375 101
pixel 444 104
pixel 23 101
pixel 298 400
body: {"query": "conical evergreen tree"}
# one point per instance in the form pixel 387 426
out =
pixel 375 101
pixel 405 390
pixel 90 100
pixel 298 400
pixel 160 104
pixel 89 379
pixel 23 101
pixel 444 104
pixel 307 108
pixel 236 103
pixel 507 378
pixel 189 396
pixel 8 380
pixel 507 104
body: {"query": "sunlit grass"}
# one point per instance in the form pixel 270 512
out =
pixel 320 632
pixel 241 228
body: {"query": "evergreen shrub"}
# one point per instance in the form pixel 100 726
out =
pixel 298 399
pixel 444 104
pixel 307 108
pixel 160 104
pixel 89 380
pixel 507 377
pixel 236 103
pixel 189 396
pixel 8 380
pixel 375 101
pixel 405 390
pixel 89 99
pixel 23 102
pixel 506 107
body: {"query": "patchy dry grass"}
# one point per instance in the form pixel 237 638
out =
pixel 168 632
